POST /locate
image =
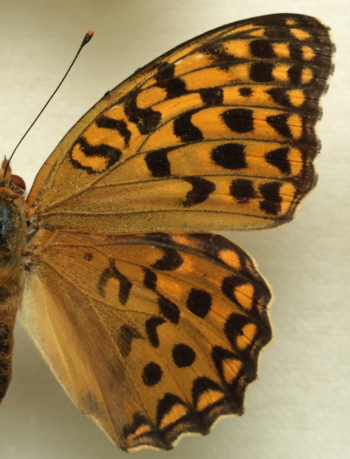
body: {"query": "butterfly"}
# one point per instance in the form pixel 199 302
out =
pixel 152 324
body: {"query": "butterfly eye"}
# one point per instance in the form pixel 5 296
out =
pixel 18 181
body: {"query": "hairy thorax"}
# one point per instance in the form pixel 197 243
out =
pixel 12 234
pixel 12 247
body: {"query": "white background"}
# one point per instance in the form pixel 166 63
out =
pixel 300 407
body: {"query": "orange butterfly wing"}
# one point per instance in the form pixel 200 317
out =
pixel 151 335
pixel 216 134
pixel 154 335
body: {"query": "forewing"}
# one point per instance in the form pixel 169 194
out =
pixel 151 335
pixel 216 134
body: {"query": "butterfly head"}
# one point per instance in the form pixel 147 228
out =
pixel 9 180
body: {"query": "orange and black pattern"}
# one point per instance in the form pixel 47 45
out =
pixel 217 134
pixel 189 344
pixel 222 123
pixel 224 329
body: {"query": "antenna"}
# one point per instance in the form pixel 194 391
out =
pixel 85 41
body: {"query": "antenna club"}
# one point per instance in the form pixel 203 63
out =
pixel 89 34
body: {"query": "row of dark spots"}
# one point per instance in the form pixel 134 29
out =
pixel 261 71
pixel 199 303
pixel 241 120
pixel 263 49
pixel 229 155
pixel 243 191
pixel 176 87
pixel 238 120
pixel 148 119
pixel 201 420
pixel 191 421
pixel 232 156
pixel 200 386
pixel 183 356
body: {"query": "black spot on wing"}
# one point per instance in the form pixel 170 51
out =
pixel 229 155
pixel 170 261
pixel 271 202
pixel 158 163
pixel 280 124
pixel 199 302
pixel 151 329
pixel 150 279
pixel 201 190
pixel 279 159
pixel 174 86
pixel 116 125
pixel 238 119
pixel 262 49
pixel 211 96
pixel 242 190
pixel 218 54
pixel 183 355
pixel 294 74
pixel 112 273
pixel 296 51
pixel 111 154
pixel 146 119
pixel 245 92
pixel 280 96
pixel 168 309
pixel 261 72
pixel 166 71
pixel 234 328
pixel 152 374
pixel 185 129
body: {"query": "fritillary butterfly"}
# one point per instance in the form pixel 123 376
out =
pixel 153 325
